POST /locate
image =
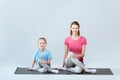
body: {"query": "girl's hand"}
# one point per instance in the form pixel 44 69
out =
pixel 43 62
pixel 63 64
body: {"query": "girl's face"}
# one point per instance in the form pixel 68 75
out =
pixel 42 44
pixel 74 28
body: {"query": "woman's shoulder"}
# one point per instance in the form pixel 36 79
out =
pixel 82 38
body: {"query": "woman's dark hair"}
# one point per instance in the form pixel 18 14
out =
pixel 75 23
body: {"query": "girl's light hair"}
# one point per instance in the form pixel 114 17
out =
pixel 42 38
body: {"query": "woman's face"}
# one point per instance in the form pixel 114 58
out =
pixel 42 44
pixel 74 28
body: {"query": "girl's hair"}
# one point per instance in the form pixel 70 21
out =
pixel 42 39
pixel 75 23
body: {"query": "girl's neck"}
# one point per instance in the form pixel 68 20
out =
pixel 42 50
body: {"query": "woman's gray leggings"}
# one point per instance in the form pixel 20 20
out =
pixel 73 64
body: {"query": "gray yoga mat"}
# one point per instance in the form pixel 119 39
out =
pixel 100 71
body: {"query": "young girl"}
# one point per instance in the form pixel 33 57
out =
pixel 42 57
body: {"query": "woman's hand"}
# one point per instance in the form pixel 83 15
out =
pixel 77 55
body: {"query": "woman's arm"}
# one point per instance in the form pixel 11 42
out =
pixel 82 54
pixel 65 54
pixel 83 51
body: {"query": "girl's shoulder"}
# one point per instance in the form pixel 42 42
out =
pixel 37 50
pixel 48 51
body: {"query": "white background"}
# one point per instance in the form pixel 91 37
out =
pixel 22 22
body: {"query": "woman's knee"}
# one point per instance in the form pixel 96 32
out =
pixel 70 54
pixel 78 69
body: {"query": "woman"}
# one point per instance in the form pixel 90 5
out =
pixel 75 46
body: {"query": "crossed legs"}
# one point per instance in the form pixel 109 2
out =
pixel 73 64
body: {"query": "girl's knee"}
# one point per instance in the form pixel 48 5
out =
pixel 42 70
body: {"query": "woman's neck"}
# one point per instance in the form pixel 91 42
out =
pixel 75 36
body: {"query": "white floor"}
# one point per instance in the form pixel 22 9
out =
pixel 7 73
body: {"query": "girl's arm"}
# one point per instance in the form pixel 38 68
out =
pixel 45 62
pixel 48 62
pixel 33 63
pixel 65 54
